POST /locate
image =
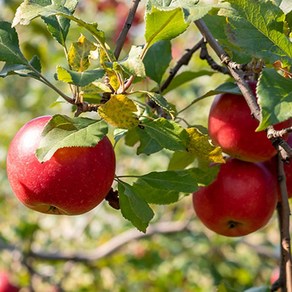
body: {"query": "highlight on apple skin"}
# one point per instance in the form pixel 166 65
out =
pixel 74 181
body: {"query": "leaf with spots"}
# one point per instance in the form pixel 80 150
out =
pixel 199 144
pixel 78 55
pixel 119 111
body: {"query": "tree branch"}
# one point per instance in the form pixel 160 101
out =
pixel 128 23
pixel 236 74
pixel 283 217
pixel 204 55
pixel 184 60
pixel 114 244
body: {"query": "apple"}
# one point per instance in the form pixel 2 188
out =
pixel 5 283
pixel 275 275
pixel 72 182
pixel 232 127
pixel 239 201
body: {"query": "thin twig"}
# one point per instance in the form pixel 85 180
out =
pixel 128 23
pixel 204 55
pixel 184 60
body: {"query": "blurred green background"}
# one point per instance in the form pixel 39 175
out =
pixel 180 256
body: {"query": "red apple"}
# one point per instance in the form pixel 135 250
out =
pixel 5 284
pixel 232 127
pixel 275 275
pixel 72 182
pixel 240 201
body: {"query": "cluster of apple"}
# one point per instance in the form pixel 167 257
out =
pixel 72 182
pixel 244 195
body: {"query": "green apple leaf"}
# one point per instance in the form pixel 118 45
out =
pixel 22 70
pixel 227 87
pixel 185 77
pixel 147 145
pixel 161 102
pixel 153 195
pixel 90 27
pixel 157 60
pixel 62 131
pixel 155 135
pixel 194 10
pixel 161 133
pixel 275 98
pixel 158 3
pixel 179 181
pixel 180 160
pixel 133 64
pixel 31 9
pixel 78 78
pixel 167 133
pixel 165 187
pixel 235 52
pixel 9 45
pixel 59 26
pixel 133 207
pixel 257 28
pixel 164 24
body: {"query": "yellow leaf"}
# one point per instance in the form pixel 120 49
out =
pixel 79 52
pixel 112 78
pixel 119 111
pixel 200 145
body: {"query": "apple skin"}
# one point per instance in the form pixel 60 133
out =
pixel 5 284
pixel 232 127
pixel 72 182
pixel 239 201
pixel 275 275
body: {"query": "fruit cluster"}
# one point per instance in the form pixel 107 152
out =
pixel 244 195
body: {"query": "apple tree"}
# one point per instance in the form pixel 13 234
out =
pixel 145 74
